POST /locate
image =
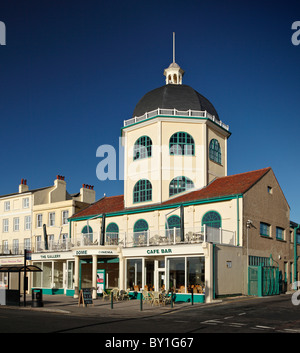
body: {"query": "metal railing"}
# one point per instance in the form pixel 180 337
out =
pixel 127 240
pixel 175 112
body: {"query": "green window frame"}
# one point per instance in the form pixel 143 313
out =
pixel 180 184
pixel 87 231
pixel 174 222
pixel 140 225
pixel 140 232
pixel 212 219
pixel 265 229
pixel 215 154
pixel 279 233
pixel 142 148
pixel 142 191
pixel 112 233
pixel 182 143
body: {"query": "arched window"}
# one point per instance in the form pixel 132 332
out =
pixel 112 234
pixel 87 233
pixel 174 222
pixel 212 219
pixel 173 227
pixel 215 151
pixel 140 232
pixel 140 226
pixel 142 148
pixel 180 184
pixel 142 191
pixel 182 143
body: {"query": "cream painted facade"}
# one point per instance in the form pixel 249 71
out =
pixel 23 215
pixel 162 166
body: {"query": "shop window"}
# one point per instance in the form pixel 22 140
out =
pixel 187 274
pixel 180 184
pixel 142 191
pixel 212 219
pixel 182 143
pixel 195 274
pixel 134 274
pixel 215 151
pixel 142 148
pixel 112 234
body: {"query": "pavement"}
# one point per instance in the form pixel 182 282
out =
pixel 126 308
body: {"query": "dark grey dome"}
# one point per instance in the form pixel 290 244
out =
pixel 180 97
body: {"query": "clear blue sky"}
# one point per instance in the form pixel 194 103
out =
pixel 72 71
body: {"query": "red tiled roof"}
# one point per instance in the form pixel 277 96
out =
pixel 220 187
pixel 224 186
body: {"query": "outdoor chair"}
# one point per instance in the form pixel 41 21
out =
pixel 155 298
pixel 123 295
pixel 115 292
pixel 146 297
pixel 165 298
pixel 105 295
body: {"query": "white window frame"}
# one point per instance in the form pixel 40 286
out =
pixel 27 244
pixel 5 227
pixel 27 223
pixel 39 220
pixel 64 217
pixel 26 202
pixel 16 224
pixel 6 206
pixel 51 219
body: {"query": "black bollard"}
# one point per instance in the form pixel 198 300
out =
pixel 141 302
pixel 192 297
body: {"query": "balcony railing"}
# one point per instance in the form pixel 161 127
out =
pixel 175 112
pixel 161 237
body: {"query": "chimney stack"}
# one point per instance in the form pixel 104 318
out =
pixel 23 187
pixel 87 193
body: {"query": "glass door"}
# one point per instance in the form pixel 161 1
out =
pixel 161 279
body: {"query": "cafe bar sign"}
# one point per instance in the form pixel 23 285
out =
pixel 159 251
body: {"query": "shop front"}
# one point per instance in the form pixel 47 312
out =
pixel 177 268
pixel 57 272
pixel 98 269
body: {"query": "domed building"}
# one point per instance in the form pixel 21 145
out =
pixel 174 142
pixel 182 224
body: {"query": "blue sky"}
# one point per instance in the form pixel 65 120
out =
pixel 72 71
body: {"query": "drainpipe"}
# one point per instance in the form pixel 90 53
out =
pixel 295 255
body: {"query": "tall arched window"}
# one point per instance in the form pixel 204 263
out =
pixel 212 219
pixel 140 232
pixel 112 234
pixel 182 143
pixel 142 148
pixel 87 232
pixel 180 184
pixel 173 227
pixel 215 151
pixel 142 191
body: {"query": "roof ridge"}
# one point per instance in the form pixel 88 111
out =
pixel 251 171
